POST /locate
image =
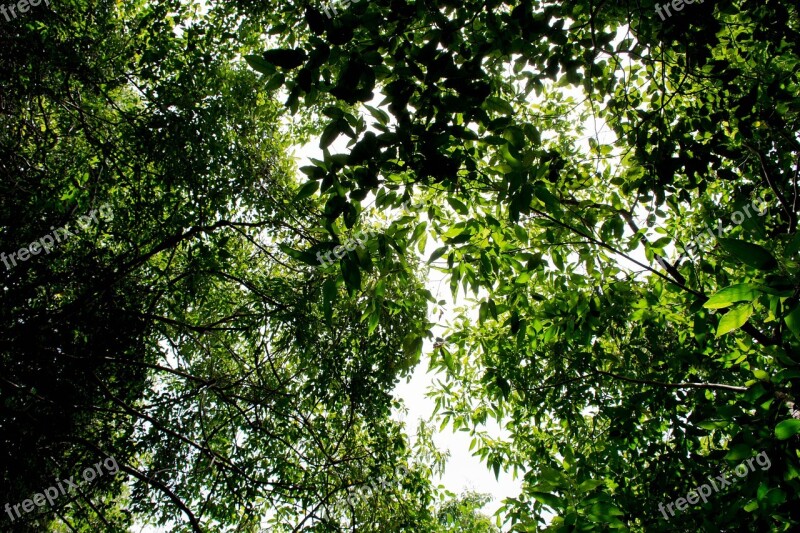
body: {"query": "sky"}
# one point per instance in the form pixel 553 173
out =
pixel 463 471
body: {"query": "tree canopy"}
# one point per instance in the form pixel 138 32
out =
pixel 612 196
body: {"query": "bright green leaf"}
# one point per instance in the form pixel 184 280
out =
pixel 743 292
pixel 734 319
pixel 787 429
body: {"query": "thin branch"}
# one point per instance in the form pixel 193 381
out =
pixel 748 328
pixel 774 187
pixel 709 386
pixel 195 523
pixel 685 385
pixel 171 495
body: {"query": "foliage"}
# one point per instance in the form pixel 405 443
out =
pixel 569 157
pixel 183 337
pixel 462 514
pixel 618 387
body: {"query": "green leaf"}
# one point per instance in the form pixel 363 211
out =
pixel 276 81
pixel 761 375
pixel 547 198
pixel 329 294
pixel 352 274
pixel 755 393
pixel 462 237
pixel 449 361
pixel 458 205
pixel 546 498
pixel 784 375
pixel 374 318
pixel 793 247
pixel 455 231
pixel 439 252
pixel 734 319
pixel 750 254
pixel 381 116
pixel 743 292
pixel 504 385
pixel 590 484
pixel 412 345
pixel 787 429
pixel 285 58
pixel 306 190
pixel 330 133
pixel 259 64
pixel 775 497
pixel 738 452
pixel 792 320
pixel 498 105
pixel 333 112
pixel 521 233
pixel 523 279
pixel 605 510
pixel 419 230
pixel 713 424
pixel 305 257
pixel 751 506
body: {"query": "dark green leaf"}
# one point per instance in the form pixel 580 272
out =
pixel 750 254
pixel 259 64
pixel 307 190
pixel 285 58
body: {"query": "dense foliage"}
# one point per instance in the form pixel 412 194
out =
pixel 612 195
pixel 174 334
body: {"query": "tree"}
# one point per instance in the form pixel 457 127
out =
pixel 232 379
pixel 597 318
pixel 462 514
pixel 198 338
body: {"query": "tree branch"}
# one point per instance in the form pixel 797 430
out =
pixel 709 386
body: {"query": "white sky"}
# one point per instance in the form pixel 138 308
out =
pixel 463 471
